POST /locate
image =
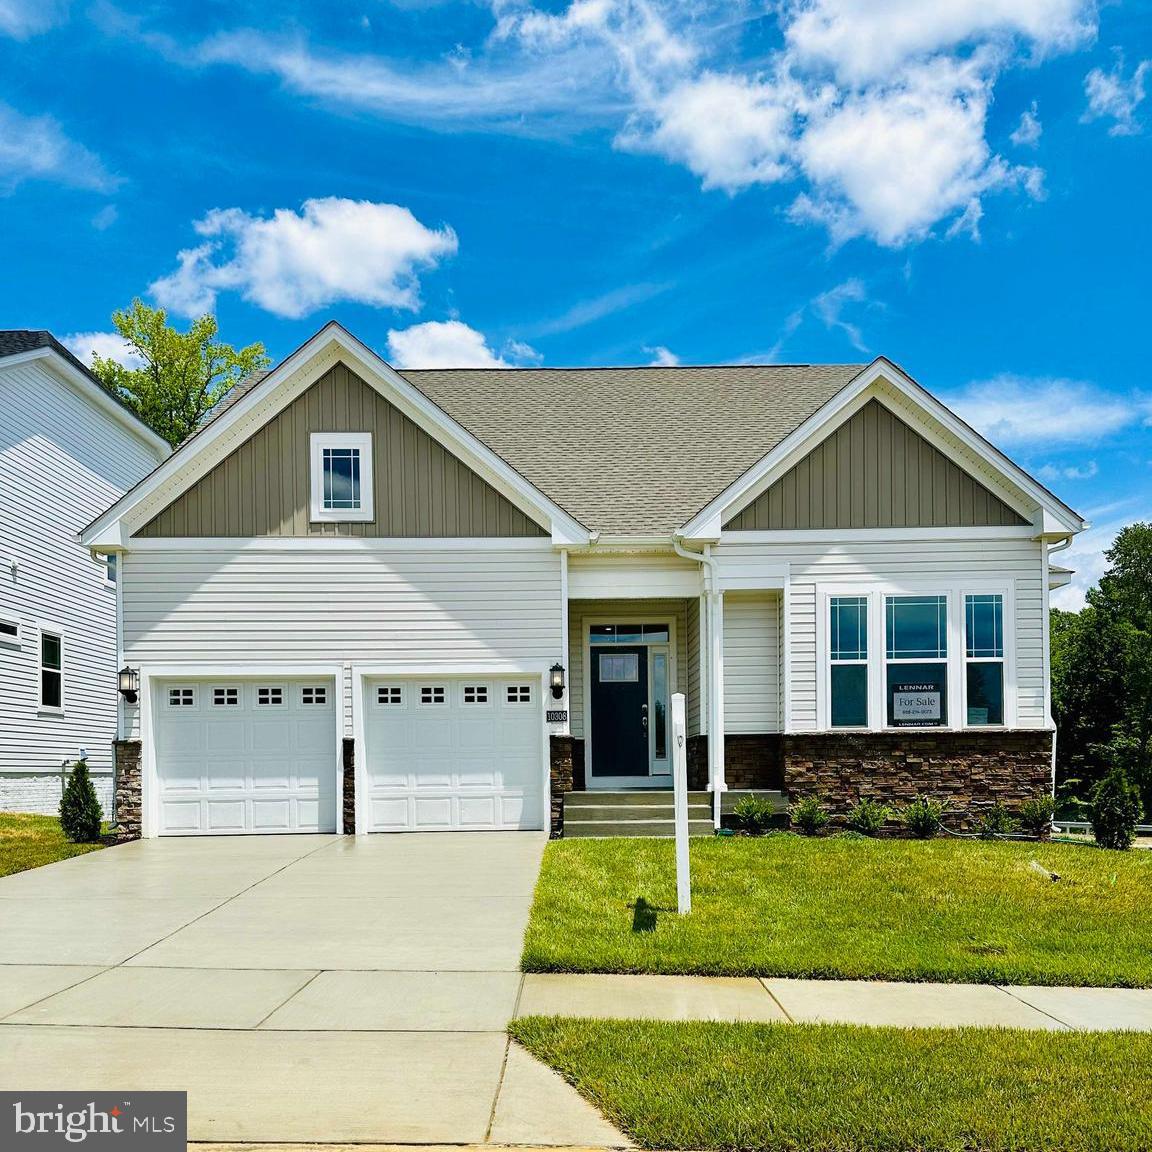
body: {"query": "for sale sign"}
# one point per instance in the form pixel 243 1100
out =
pixel 917 704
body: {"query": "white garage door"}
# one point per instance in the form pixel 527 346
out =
pixel 238 756
pixel 453 753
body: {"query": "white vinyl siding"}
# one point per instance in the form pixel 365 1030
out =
pixel 751 662
pixel 62 462
pixel 691 675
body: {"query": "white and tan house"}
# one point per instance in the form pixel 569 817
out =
pixel 365 600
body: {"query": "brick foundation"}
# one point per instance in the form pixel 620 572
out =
pixel 697 765
pixel 970 771
pixel 348 767
pixel 750 761
pixel 562 756
pixel 126 758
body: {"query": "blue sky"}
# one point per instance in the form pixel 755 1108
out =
pixel 960 186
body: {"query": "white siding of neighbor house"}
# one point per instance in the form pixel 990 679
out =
pixel 63 460
pixel 238 606
pixel 873 563
pixel 751 662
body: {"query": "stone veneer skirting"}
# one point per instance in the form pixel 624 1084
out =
pixel 348 785
pixel 126 802
pixel 563 754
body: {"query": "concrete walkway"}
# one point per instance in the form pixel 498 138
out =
pixel 839 1001
pixel 313 989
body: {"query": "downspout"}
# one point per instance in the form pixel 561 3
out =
pixel 1049 552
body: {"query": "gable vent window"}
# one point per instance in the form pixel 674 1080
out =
pixel 475 694
pixel 341 482
pixel 519 694
pixel 181 697
pixel 226 697
pixel 391 695
pixel 270 697
pixel 432 695
pixel 314 695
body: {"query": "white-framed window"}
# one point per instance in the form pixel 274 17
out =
pixel 519 694
pixel 9 631
pixel 181 697
pixel 475 693
pixel 271 697
pixel 51 671
pixel 433 694
pixel 341 481
pixel 916 660
pixel 848 661
pixel 226 697
pixel 314 694
pixel 984 659
pixel 111 568
pixel 391 694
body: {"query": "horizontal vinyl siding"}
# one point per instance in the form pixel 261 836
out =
pixel 863 562
pixel 692 703
pixel 751 662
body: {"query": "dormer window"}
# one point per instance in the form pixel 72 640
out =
pixel 341 476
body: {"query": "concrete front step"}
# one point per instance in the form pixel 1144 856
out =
pixel 582 829
pixel 647 797
pixel 612 813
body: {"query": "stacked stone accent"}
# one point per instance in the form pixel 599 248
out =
pixel 126 757
pixel 349 785
pixel 970 771
pixel 562 751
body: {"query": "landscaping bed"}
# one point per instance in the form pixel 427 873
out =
pixel 28 840
pixel 961 911
pixel 841 1088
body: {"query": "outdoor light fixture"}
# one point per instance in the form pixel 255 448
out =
pixel 557 680
pixel 128 683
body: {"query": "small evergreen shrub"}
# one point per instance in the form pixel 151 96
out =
pixel 1036 814
pixel 923 816
pixel 869 816
pixel 810 816
pixel 80 811
pixel 1116 811
pixel 754 813
pixel 996 821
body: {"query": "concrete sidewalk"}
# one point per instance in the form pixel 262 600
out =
pixel 836 1001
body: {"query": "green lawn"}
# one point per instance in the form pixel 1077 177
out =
pixel 838 1088
pixel 28 841
pixel 966 911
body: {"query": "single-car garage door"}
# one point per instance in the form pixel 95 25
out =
pixel 236 756
pixel 453 753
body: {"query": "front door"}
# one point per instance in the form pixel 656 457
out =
pixel 620 711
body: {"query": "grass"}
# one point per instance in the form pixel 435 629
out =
pixel 961 911
pixel 27 841
pixel 841 1088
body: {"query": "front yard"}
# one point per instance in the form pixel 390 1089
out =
pixel 961 911
pixel 27 841
pixel 836 1088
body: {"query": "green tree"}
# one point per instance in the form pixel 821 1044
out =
pixel 80 813
pixel 184 373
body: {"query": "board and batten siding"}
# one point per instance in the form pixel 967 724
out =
pixel 263 487
pixel 751 662
pixel 63 460
pixel 865 564
pixel 875 471
pixel 431 607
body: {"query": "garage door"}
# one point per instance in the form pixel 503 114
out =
pixel 235 756
pixel 453 753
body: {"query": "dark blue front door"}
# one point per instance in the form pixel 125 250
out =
pixel 619 711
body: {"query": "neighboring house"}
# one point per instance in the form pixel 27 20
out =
pixel 67 449
pixel 372 601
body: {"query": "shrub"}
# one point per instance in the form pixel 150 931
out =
pixel 923 816
pixel 754 813
pixel 80 812
pixel 1036 814
pixel 869 816
pixel 1116 810
pixel 809 815
pixel 996 821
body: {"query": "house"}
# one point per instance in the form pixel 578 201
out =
pixel 362 600
pixel 67 450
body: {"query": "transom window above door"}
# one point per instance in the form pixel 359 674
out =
pixel 628 634
pixel 341 482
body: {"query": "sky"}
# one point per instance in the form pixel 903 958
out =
pixel 962 186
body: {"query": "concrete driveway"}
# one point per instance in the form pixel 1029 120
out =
pixel 300 988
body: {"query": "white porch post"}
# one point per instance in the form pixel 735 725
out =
pixel 716 734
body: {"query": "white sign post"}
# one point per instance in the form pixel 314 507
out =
pixel 680 799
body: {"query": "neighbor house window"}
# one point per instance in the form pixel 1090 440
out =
pixel 51 670
pixel 984 658
pixel 341 481
pixel 916 660
pixel 848 647
pixel 9 630
pixel 111 567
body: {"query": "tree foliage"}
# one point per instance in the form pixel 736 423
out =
pixel 183 374
pixel 80 812
pixel 1102 672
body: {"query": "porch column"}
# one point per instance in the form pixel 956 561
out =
pixel 716 731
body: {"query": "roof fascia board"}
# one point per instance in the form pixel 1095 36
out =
pixel 92 392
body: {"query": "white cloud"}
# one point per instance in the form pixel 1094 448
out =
pixel 829 307
pixel 105 218
pixel 589 311
pixel 662 357
pixel 451 344
pixel 36 148
pixel 1114 96
pixel 109 345
pixel 294 263
pixel 21 19
pixel 1017 410
pixel 1028 132
pixel 1054 472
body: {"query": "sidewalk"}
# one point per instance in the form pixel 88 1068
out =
pixel 836 1001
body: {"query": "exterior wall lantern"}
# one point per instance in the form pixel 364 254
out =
pixel 556 680
pixel 128 683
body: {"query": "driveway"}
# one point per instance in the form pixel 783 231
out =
pixel 301 988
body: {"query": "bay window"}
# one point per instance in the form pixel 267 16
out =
pixel 848 682
pixel 984 658
pixel 916 660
